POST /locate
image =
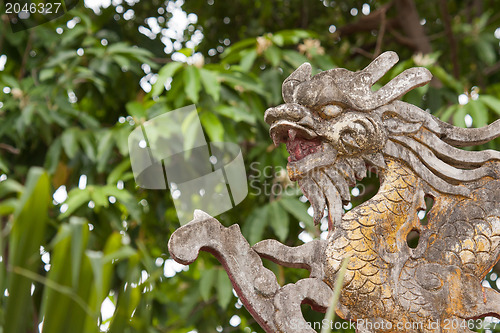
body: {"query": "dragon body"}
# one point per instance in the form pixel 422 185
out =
pixel 350 127
pixel 335 127
pixel 425 289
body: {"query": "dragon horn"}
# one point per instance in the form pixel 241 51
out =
pixel 381 65
pixel 301 74
pixel 397 87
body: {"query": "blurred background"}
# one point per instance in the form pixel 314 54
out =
pixel 82 248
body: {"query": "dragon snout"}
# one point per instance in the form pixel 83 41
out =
pixel 289 111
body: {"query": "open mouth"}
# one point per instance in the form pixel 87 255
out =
pixel 300 142
pixel 307 150
pixel 312 163
pixel 299 147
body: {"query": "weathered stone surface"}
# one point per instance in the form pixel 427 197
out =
pixel 256 286
pixel 334 126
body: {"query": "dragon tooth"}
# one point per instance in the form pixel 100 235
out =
pixel 315 197
pixel 340 184
pixel 377 159
pixel 358 165
pixel 345 169
pixel 276 140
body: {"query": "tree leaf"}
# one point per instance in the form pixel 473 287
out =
pixel 99 196
pixel 8 206
pixel 459 116
pixel 76 198
pixel 207 281
pixel 192 83
pixel 104 149
pixel 136 109
pixel 120 136
pixel 236 113
pixel 278 219
pixel 128 300
pixel 189 129
pixel 95 258
pixel 294 58
pixel 446 78
pixel 448 112
pixel 212 126
pixel 70 142
pixel 485 51
pixel 65 301
pixel 210 83
pixel 241 82
pixel 273 54
pixel 247 59
pixel 25 239
pixel 77 245
pixel 224 289
pixel 87 143
pixel 492 102
pixel 10 186
pixel 478 112
pixel 257 222
pixel 164 74
pixel 297 209
pixel 118 171
pixel 53 155
pixel 126 199
pixel 272 79
pixel 237 47
pixel 3 165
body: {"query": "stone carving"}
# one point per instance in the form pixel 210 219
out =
pixel 334 125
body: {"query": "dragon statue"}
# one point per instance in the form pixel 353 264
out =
pixel 334 126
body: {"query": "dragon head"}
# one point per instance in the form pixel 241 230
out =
pixel 334 124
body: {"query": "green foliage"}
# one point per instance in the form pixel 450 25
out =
pixel 75 97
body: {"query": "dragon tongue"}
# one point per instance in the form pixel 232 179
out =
pixel 298 147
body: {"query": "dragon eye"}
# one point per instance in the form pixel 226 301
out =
pixel 330 111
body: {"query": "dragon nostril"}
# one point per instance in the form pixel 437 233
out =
pixel 271 115
pixel 290 111
pixel 306 121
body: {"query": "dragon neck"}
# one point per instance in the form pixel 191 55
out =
pixel 391 214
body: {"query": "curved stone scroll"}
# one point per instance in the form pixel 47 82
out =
pixel 275 308
pixel 288 316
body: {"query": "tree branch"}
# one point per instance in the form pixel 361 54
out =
pixel 9 148
pixel 409 21
pixel 492 69
pixel 380 37
pixel 451 38
pixel 403 39
pixel 25 55
pixel 369 22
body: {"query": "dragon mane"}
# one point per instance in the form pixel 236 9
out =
pixel 424 142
